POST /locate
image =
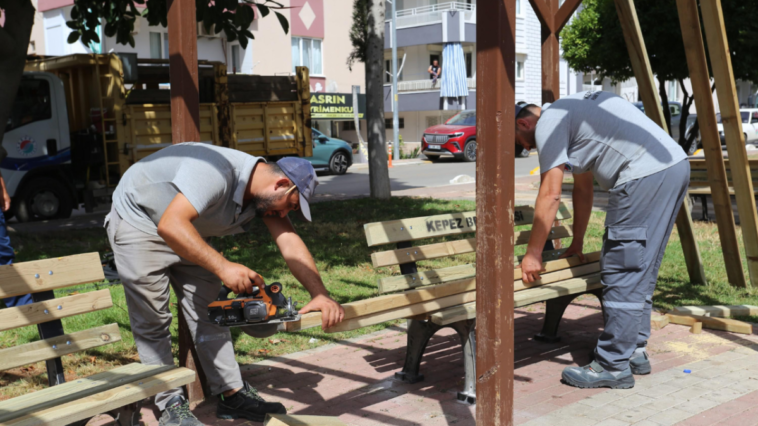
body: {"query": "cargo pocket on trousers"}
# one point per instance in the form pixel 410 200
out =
pixel 623 249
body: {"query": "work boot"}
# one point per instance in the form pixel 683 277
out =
pixel 640 362
pixel 595 376
pixel 177 413
pixel 247 404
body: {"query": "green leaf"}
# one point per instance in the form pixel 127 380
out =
pixel 243 41
pixel 75 12
pixel 131 40
pixel 73 37
pixel 283 22
pixel 72 24
pixel 263 9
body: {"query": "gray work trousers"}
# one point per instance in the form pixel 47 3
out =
pixel 147 267
pixel 640 216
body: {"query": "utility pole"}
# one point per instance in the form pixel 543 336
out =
pixel 395 119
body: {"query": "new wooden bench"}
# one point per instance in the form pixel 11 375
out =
pixel 117 392
pixel 701 189
pixel 562 281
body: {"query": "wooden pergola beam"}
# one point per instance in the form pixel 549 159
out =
pixel 544 12
pixel 689 19
pixel 496 125
pixel 644 75
pixel 564 14
pixel 721 64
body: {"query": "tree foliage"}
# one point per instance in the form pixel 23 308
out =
pixel 233 17
pixel 359 33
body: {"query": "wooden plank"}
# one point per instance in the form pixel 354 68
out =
pixel 544 13
pixel 551 291
pixel 387 302
pixel 696 328
pixel 716 171
pixel 699 163
pixel 417 228
pixel 451 248
pixel 565 274
pixel 33 277
pixel 76 389
pixel 454 314
pixel 718 311
pixel 55 347
pixel 287 420
pixel 721 65
pixel 560 264
pixel 133 391
pixel 564 13
pixel 35 313
pixel 403 312
pixel 644 75
pixel 657 322
pixel 723 324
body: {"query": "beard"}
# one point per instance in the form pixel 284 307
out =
pixel 262 204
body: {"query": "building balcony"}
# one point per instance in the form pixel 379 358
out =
pixel 421 95
pixel 452 22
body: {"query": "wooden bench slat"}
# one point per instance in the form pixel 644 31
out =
pixel 34 313
pixel 42 350
pixel 134 390
pixel 451 248
pixel 391 301
pixel 565 274
pixel 551 291
pixel 561 264
pixel 417 228
pixel 19 278
pixel 76 389
pixel 454 314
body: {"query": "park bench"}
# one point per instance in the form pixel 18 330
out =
pixel 117 392
pixel 700 187
pixel 562 281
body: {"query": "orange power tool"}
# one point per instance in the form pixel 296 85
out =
pixel 265 305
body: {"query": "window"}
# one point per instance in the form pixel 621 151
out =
pixel 672 91
pixel 235 65
pixel 675 110
pixel 349 125
pixel 755 117
pixel 519 10
pixel 519 70
pixel 463 118
pixel 400 123
pixel 306 52
pixel 32 103
pixel 159 46
pixel 165 46
pixel 469 65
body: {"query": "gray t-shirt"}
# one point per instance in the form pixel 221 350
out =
pixel 603 133
pixel 212 178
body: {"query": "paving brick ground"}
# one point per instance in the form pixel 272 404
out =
pixel 353 380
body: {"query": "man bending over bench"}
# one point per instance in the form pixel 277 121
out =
pixel 602 136
pixel 165 208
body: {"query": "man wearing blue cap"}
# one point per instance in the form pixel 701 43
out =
pixel 602 137
pixel 165 209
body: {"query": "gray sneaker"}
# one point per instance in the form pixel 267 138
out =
pixel 595 376
pixel 640 363
pixel 177 413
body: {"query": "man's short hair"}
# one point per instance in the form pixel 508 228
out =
pixel 274 169
pixel 527 111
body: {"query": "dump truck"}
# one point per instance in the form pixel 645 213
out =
pixel 80 121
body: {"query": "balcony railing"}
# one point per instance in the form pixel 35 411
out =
pixel 426 15
pixel 425 85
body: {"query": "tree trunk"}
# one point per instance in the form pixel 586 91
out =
pixel 665 103
pixel 379 178
pixel 687 101
pixel 14 43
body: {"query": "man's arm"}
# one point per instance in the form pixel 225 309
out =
pixel 176 228
pixel 302 266
pixel 6 200
pixel 548 200
pixel 583 198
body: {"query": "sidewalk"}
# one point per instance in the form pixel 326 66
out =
pixel 353 380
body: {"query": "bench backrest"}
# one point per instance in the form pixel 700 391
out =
pixel 40 278
pixel 403 232
pixel 699 172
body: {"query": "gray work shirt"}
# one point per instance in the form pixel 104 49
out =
pixel 212 178
pixel 603 133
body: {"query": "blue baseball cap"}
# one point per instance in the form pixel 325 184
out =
pixel 301 173
pixel 518 109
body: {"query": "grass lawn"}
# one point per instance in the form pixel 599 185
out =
pixel 337 241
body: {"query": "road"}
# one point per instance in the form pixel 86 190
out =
pixel 356 183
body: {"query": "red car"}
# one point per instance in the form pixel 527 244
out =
pixel 457 138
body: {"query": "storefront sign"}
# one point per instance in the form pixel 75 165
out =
pixel 336 106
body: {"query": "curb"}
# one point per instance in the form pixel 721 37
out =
pixel 361 166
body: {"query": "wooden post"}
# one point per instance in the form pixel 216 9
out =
pixel 182 50
pixel 644 75
pixel 721 63
pixel 495 101
pixel 551 56
pixel 689 18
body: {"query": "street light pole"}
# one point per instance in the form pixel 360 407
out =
pixel 395 119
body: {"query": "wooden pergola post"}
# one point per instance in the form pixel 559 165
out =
pixel 644 75
pixel 495 101
pixel 721 64
pixel 689 19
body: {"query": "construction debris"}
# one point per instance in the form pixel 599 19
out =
pixel 722 324
pixel 718 311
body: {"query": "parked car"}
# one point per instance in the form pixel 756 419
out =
pixel 675 108
pixel 697 141
pixel 332 154
pixel 749 126
pixel 456 138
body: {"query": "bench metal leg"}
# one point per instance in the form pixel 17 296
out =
pixel 704 204
pixel 419 333
pixel 467 332
pixel 554 309
pixel 128 415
